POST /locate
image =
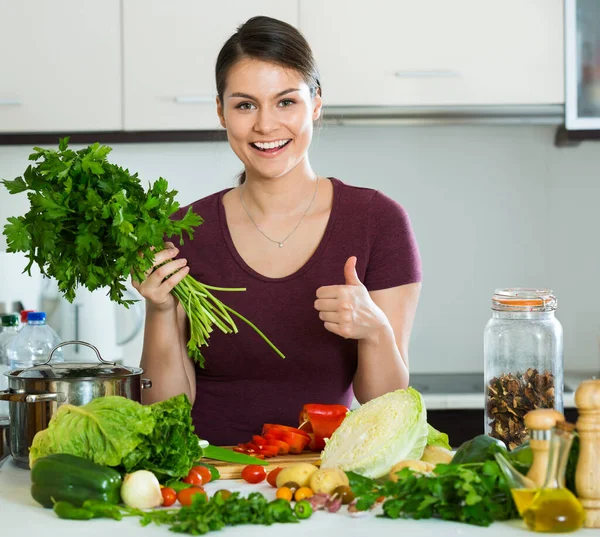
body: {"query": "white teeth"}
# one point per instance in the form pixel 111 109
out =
pixel 270 145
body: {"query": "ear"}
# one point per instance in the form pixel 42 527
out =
pixel 317 106
pixel 220 113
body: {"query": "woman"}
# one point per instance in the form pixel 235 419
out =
pixel 332 271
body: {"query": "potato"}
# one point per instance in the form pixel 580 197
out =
pixel 437 455
pixel 326 480
pixel 299 473
pixel 418 466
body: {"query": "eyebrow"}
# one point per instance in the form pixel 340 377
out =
pixel 246 96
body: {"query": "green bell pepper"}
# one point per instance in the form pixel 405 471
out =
pixel 64 477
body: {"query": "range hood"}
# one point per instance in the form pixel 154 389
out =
pixel 426 115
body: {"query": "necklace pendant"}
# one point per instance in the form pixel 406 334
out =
pixel 281 245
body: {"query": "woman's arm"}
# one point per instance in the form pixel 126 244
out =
pixel 383 354
pixel 164 356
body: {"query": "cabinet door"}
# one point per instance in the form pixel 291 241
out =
pixel 60 66
pixel 437 52
pixel 170 50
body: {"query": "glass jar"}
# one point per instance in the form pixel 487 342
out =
pixel 523 354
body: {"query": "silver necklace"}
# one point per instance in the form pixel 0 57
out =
pixel 282 242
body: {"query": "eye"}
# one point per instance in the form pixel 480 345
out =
pixel 245 106
pixel 286 102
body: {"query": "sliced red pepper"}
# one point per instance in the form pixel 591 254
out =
pixel 269 451
pixel 270 427
pixel 259 440
pixel 297 442
pixel 322 420
pixel 282 447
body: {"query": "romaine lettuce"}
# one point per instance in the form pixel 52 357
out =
pixel 118 432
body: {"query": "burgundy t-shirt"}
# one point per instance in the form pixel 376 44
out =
pixel 245 384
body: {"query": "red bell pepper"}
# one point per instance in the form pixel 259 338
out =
pixel 321 421
pixel 271 427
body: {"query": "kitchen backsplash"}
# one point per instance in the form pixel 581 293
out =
pixel 492 206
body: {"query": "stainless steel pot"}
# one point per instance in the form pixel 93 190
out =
pixel 34 394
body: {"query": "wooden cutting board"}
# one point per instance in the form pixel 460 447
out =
pixel 229 470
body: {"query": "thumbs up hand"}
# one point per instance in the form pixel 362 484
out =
pixel 348 310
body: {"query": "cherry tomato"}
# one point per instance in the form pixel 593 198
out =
pixel 284 493
pixel 303 493
pixel 272 477
pixel 254 473
pixel 204 473
pixel 169 496
pixel 193 478
pixel 185 496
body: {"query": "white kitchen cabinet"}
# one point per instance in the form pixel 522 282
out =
pixel 437 52
pixel 170 50
pixel 60 66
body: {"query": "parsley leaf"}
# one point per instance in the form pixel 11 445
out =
pixel 89 221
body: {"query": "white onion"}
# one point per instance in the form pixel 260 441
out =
pixel 141 490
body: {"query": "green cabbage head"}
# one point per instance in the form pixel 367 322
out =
pixel 380 433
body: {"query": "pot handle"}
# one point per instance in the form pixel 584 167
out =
pixel 146 384
pixel 76 342
pixel 32 397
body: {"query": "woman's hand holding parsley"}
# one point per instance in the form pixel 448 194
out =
pixel 165 274
pixel 348 310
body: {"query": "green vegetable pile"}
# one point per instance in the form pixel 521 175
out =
pixel 88 223
pixel 471 489
pixel 117 432
pixel 203 516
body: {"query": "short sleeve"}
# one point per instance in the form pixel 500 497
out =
pixel 394 254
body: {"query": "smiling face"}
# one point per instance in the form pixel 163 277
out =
pixel 268 113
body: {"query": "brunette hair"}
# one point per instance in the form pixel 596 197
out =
pixel 271 40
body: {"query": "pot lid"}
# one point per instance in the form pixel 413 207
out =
pixel 102 369
pixel 74 370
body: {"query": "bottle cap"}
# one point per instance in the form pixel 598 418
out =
pixel 24 314
pixel 11 319
pixel 36 316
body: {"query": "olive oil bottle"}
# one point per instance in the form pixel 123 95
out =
pixel 554 508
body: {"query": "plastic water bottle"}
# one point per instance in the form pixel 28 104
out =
pixel 33 343
pixel 10 329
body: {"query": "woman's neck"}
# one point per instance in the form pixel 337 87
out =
pixel 280 196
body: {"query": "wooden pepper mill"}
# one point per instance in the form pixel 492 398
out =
pixel 587 474
pixel 540 423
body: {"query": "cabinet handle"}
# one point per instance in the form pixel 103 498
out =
pixel 194 99
pixel 433 73
pixel 9 102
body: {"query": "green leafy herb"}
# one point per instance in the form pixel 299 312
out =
pixel 88 223
pixel 206 515
pixel 475 493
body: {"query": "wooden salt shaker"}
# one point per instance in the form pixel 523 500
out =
pixel 587 474
pixel 540 423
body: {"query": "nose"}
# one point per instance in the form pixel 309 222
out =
pixel 266 120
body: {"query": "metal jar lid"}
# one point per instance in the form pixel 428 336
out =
pixel 71 370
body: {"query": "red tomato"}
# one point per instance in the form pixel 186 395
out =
pixel 254 473
pixel 185 496
pixel 204 473
pixel 193 478
pixel 169 496
pixel 272 477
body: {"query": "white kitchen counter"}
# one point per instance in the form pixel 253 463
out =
pixel 20 514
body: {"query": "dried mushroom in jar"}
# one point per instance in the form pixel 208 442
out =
pixel 510 397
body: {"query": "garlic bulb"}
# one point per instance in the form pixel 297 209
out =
pixel 141 490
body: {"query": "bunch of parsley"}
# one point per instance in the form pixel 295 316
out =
pixel 92 224
pixel 474 493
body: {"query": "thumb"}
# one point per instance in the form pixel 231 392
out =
pixel 350 272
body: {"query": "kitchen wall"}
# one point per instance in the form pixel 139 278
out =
pixel 491 206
